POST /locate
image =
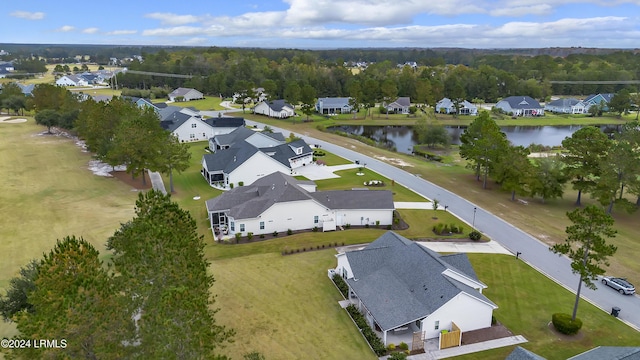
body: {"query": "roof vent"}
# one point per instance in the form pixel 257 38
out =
pixel 234 159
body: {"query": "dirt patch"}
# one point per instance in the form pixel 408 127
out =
pixel 134 183
pixel 496 331
pixel 395 161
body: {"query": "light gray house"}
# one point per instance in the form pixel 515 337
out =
pixel 399 284
pixel 278 202
pixel 566 106
pixel 400 106
pixel 446 106
pixel 333 105
pixel 185 94
pixel 521 106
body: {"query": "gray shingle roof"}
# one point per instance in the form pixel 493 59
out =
pixel 180 92
pixel 607 97
pixel 610 353
pixel 168 111
pixel 350 199
pixel 225 122
pixel 520 353
pixel 229 159
pixel 277 105
pixel 400 281
pixel 333 102
pixel 174 120
pixel 522 102
pixel 404 101
pixel 567 102
pixel 282 153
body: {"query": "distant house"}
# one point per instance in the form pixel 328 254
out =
pixel 72 80
pixel 260 95
pixel 278 202
pixel 566 106
pixel 446 106
pixel 400 106
pixel 27 89
pixel 333 105
pixel 185 94
pixel 275 109
pixel 598 99
pixel 399 284
pixel 188 127
pixel 521 106
pixel 246 160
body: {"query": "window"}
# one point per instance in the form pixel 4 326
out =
pixel 261 225
pixel 204 135
pixel 232 225
pixel 315 219
pixel 418 323
pixel 437 325
pixel 241 227
pixel 194 125
pixel 192 136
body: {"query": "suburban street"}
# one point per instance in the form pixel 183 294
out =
pixel 533 251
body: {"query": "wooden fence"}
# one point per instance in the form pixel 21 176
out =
pixel 452 338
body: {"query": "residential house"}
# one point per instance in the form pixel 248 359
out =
pixel 566 106
pixel 259 139
pixel 598 99
pixel 7 65
pixel 521 106
pixel 400 106
pixel 278 202
pixel 247 160
pixel 3 73
pixel 192 127
pixel 72 80
pixel 333 105
pixel 185 94
pixel 260 95
pixel 446 106
pixel 275 109
pixel 166 112
pixel 27 89
pixel 399 284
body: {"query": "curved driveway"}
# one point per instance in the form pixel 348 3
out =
pixel 533 251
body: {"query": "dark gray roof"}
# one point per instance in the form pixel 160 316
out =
pixel 461 262
pixel 250 201
pixel 277 105
pixel 400 281
pixel 225 122
pixel 333 102
pixel 229 159
pixel 167 112
pixel 522 102
pixel 402 101
pixel 180 91
pixel 610 353
pixel 564 102
pixel 174 121
pixel 350 199
pixel 236 135
pixel 282 153
pixel 520 353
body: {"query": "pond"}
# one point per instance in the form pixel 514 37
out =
pixel 402 138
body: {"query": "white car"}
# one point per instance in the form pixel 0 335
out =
pixel 620 284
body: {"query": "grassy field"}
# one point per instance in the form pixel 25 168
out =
pixel 48 193
pixel 208 103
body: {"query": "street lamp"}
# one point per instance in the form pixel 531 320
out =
pixel 473 223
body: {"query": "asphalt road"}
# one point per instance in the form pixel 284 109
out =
pixel 533 251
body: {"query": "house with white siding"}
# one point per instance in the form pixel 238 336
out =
pixel 566 106
pixel 259 139
pixel 520 106
pixel 333 105
pixel 185 94
pixel 446 106
pixel 275 109
pixel 189 127
pixel 72 80
pixel 399 284
pixel 400 106
pixel 278 202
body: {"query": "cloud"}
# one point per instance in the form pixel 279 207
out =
pixel 28 15
pixel 122 32
pixel 92 30
pixel 517 11
pixel 173 19
pixel 65 28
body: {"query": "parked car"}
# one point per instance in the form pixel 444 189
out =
pixel 620 284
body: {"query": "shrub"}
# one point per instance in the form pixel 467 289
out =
pixel 275 233
pixel 231 186
pixel 249 236
pixel 372 338
pixel 315 229
pixel 240 183
pixel 377 223
pixel 403 345
pixel 341 284
pixel 563 323
pixel 347 226
pixel 261 236
pixel 289 231
pixel 475 235
pixel 391 347
pixel 238 235
pixel 388 227
pixel 366 225
pixel 445 229
pixel 397 356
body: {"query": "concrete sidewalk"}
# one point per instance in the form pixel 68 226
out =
pixel 156 181
pixel 490 247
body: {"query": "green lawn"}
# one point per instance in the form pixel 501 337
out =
pixel 208 103
pixel 421 223
pixel 48 193
pixel 350 179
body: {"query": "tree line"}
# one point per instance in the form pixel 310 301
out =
pixel 151 300
pixel 594 163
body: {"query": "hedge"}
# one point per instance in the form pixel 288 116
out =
pixel 370 335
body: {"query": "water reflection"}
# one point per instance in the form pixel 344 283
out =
pixel 402 138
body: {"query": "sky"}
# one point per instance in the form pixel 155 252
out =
pixel 322 24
